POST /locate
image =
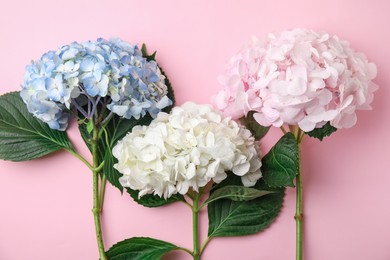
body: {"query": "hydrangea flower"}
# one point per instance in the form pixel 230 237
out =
pixel 298 77
pixel 185 149
pixel 112 72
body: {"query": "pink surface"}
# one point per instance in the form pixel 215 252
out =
pixel 45 205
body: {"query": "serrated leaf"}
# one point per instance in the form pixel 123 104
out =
pixel 321 133
pixel 280 165
pixel 140 248
pixel 233 218
pixel 153 201
pixel 258 131
pixel 24 137
pixel 236 193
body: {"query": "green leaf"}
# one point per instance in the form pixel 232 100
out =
pixel 258 131
pixel 280 165
pixel 140 248
pixel 112 175
pixel 236 193
pixel 118 127
pixel 239 218
pixel 89 126
pixel 153 201
pixel 321 133
pixel 24 137
pixel 145 53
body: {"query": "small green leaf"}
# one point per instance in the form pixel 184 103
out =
pixel 236 193
pixel 143 50
pixel 321 133
pixel 239 218
pixel 140 248
pixel 280 165
pixel 90 126
pixel 24 137
pixel 153 201
pixel 145 53
pixel 258 131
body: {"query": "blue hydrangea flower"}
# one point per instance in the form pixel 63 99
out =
pixel 113 73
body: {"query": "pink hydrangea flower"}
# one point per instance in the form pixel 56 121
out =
pixel 298 77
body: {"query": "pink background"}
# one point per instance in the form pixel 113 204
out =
pixel 45 205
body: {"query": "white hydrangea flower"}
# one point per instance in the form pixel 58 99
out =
pixel 186 149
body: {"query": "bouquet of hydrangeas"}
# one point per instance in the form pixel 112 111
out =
pixel 302 81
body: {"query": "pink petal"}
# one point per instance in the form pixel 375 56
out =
pixel 271 113
pixel 316 83
pixel 371 71
pixel 324 97
pixel 221 100
pixel 297 87
pixel 306 125
pixel 319 73
pixel 262 119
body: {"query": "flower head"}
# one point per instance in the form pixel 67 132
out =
pixel 298 77
pixel 186 149
pixel 112 72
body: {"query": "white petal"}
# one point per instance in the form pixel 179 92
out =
pixel 191 171
pixel 241 169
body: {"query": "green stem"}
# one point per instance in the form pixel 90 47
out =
pixel 205 243
pixel 81 158
pixel 96 205
pixel 187 204
pixel 102 191
pixel 195 216
pixel 99 168
pixel 185 250
pixel 299 204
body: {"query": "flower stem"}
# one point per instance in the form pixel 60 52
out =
pixel 102 190
pixel 205 243
pixel 185 250
pixel 299 203
pixel 96 204
pixel 195 216
pixel 81 158
pixel 283 130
